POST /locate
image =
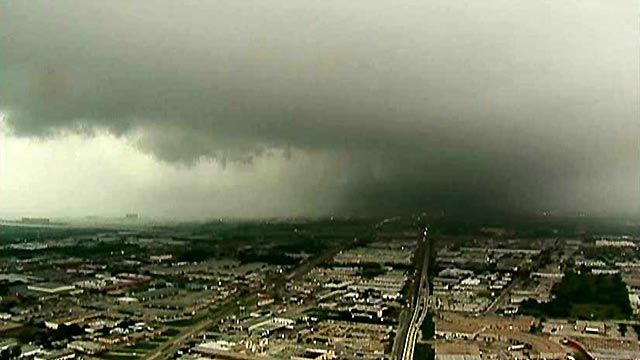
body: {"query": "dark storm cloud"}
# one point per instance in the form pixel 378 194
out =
pixel 502 104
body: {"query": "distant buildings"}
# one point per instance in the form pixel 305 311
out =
pixel 35 221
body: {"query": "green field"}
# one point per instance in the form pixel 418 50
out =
pixel 171 332
pixel 143 346
pixel 185 322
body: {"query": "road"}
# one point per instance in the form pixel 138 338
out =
pixel 495 305
pixel 166 350
pixel 504 295
pixel 420 307
pixel 407 313
pixel 404 317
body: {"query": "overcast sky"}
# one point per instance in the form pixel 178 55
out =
pixel 309 108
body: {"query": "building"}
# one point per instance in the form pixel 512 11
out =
pixel 315 354
pixel 65 354
pixel 271 325
pixel 29 351
pixel 7 344
pixel 51 288
pixel 87 347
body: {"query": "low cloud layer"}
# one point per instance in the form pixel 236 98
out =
pixel 502 105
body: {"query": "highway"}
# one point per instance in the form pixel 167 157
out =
pixel 420 307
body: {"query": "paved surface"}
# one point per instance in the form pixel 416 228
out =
pixel 501 298
pixel 420 307
pixel 407 313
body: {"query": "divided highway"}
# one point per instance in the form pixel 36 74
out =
pixel 420 306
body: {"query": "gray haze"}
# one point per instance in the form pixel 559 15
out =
pixel 337 106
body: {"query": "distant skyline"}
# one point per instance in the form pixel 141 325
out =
pixel 299 108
